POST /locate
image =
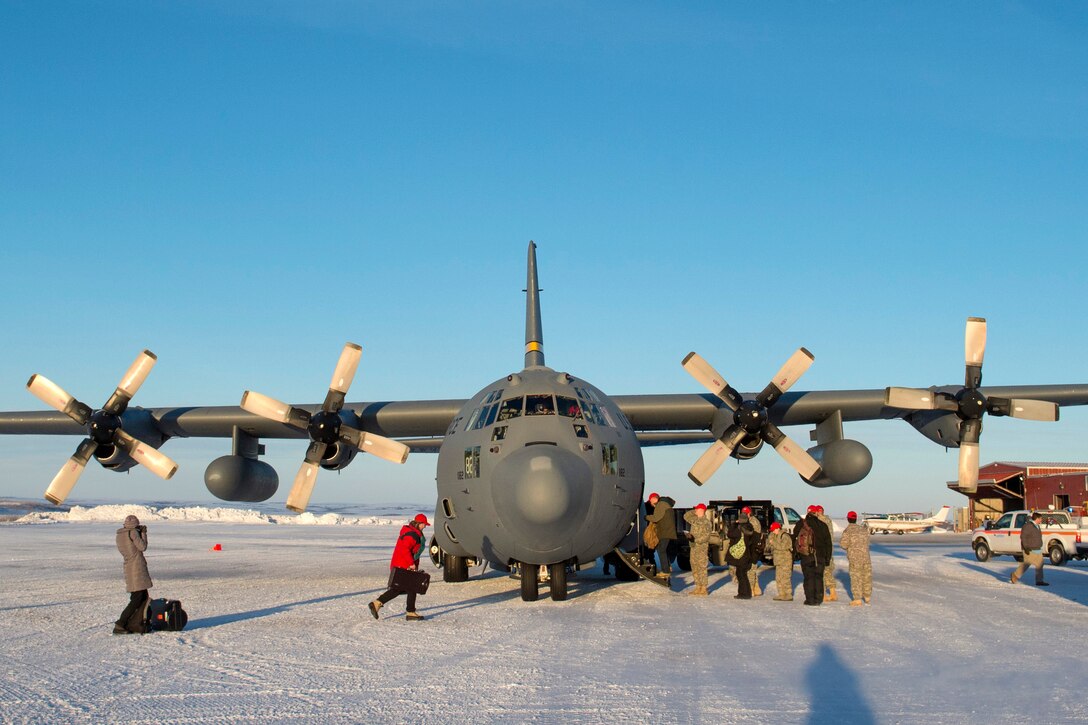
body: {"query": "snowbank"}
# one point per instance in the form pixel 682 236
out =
pixel 115 513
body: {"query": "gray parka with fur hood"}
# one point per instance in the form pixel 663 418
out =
pixel 132 543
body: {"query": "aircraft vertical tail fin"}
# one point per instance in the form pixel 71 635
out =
pixel 942 515
pixel 534 334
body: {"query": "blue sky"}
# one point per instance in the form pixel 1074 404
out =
pixel 242 187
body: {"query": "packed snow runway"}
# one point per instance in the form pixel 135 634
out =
pixel 279 631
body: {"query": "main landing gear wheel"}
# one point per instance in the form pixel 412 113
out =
pixel 558 575
pixel 454 568
pixel 530 583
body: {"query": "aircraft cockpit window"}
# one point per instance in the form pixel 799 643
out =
pixel 493 397
pixel 487 417
pixel 471 425
pixel 580 431
pixel 605 416
pixel 593 414
pixel 499 433
pixel 511 408
pixel 569 407
pixel 539 405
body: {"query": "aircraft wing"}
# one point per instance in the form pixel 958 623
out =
pixel 425 420
pixel 686 418
pixel 669 419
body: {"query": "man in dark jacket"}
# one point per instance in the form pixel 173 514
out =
pixel 814 548
pixel 132 543
pixel 406 553
pixel 742 531
pixel 664 518
pixel 1031 542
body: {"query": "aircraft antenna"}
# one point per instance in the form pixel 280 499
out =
pixel 534 335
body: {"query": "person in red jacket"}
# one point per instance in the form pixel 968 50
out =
pixel 406 555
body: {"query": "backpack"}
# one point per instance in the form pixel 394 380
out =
pixel 166 614
pixel 804 542
pixel 736 551
pixel 650 537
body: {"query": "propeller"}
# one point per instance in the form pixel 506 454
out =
pixel 750 417
pixel 325 427
pixel 969 403
pixel 103 427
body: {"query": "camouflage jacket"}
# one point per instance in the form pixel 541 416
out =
pixel 699 526
pixel 781 544
pixel 855 539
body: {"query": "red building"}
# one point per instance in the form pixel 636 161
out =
pixel 1011 485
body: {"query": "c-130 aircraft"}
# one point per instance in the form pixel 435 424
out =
pixel 539 468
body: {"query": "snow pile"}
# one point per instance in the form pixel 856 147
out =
pixel 115 513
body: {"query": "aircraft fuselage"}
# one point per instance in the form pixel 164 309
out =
pixel 539 467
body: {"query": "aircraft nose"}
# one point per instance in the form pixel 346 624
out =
pixel 544 491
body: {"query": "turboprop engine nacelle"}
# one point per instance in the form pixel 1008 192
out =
pixel 747 448
pixel 138 424
pixel 842 462
pixel 338 456
pixel 237 478
pixel 939 426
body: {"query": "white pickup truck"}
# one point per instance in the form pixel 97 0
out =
pixel 1061 536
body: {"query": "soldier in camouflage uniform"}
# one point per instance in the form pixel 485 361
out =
pixel 829 570
pixel 700 528
pixel 782 550
pixel 855 540
pixel 753 577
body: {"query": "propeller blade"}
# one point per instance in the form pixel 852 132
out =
pixel 710 378
pixel 303 487
pixel 266 407
pixel 137 373
pixel 910 398
pixel 55 397
pixel 795 367
pixel 1033 410
pixel 65 480
pixel 715 456
pixel 374 444
pixel 969 467
pixel 346 367
pixel 157 462
pixel 974 341
pixel 383 447
pixel 791 453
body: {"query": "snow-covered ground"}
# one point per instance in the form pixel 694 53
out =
pixel 279 631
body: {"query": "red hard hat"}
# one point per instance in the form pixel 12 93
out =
pixel 852 515
pixel 653 495
pixel 421 519
pixel 701 506
pixel 776 526
pixel 746 510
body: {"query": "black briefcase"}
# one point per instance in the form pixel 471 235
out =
pixel 411 582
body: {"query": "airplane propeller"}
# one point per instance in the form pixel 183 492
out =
pixel 324 427
pixel 969 403
pixel 103 427
pixel 750 417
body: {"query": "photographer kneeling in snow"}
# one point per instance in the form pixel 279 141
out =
pixel 132 543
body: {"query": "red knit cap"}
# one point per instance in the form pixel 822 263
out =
pixel 701 506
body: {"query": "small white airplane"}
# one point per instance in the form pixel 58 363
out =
pixel 887 525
